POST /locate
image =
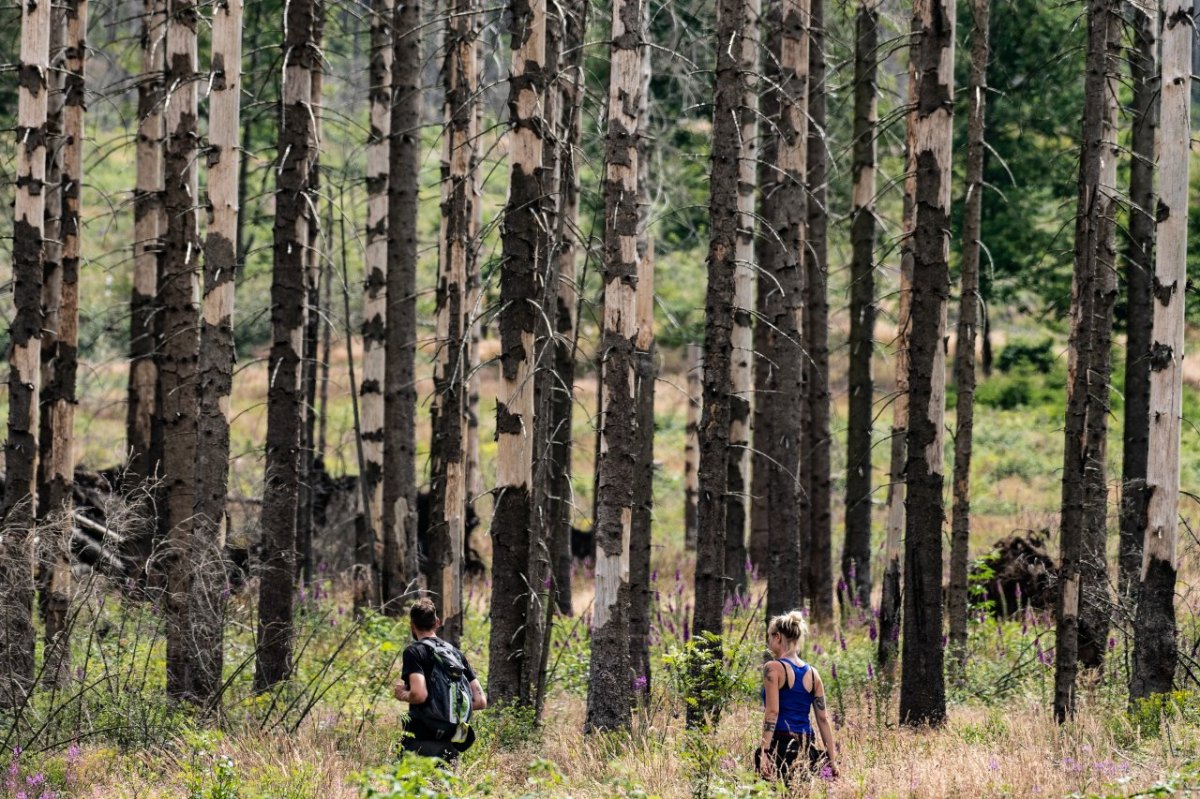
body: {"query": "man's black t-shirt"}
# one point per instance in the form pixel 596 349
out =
pixel 418 659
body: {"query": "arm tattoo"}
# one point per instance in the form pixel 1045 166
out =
pixel 768 725
pixel 766 672
pixel 819 703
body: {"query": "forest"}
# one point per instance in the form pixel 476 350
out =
pixel 620 329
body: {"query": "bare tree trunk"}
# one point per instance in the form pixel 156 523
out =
pixel 1154 650
pixel 179 353
pixel 400 567
pixel 729 91
pixel 217 353
pixel 313 264
pixel 691 465
pixel 448 476
pixel 149 226
pixel 285 402
pixel 1139 268
pixel 1083 586
pixel 784 203
pixel 17 639
pixel 964 355
pixel 610 685
pixel 570 87
pixel 367 575
pixel 819 553
pixel 50 535
pixel 519 319
pixel 59 389
pixel 856 554
pixel 922 686
pixel 645 374
pixel 742 365
pixel 889 604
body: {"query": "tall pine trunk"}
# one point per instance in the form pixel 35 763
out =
pixel 610 684
pixel 370 529
pixel 448 475
pixel 519 319
pixel 217 353
pixel 149 226
pixel 922 686
pixel 691 454
pixel 856 554
pixel 1139 269
pixel 570 87
pixel 1154 649
pixel 1082 607
pixel 645 373
pixel 817 554
pixel 889 603
pixel 729 91
pixel 783 187
pixel 968 321
pixel 742 364
pixel 285 402
pixel 400 394
pixel 178 327
pixel 62 397
pixel 20 453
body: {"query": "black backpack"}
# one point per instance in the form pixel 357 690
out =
pixel 448 708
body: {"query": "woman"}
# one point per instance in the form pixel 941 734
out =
pixel 791 688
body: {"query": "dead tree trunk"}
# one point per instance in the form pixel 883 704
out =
pixel 856 554
pixel 448 478
pixel 285 401
pixel 519 319
pixel 570 87
pixel 217 353
pixel 1082 609
pixel 691 465
pixel 610 685
pixel 1139 270
pixel 922 686
pixel 59 389
pixel 728 94
pixel 784 204
pixel 1154 650
pixel 17 640
pixel 645 374
pixel 178 325
pixel 400 393
pixel 742 364
pixel 968 321
pixel 149 226
pixel 818 556
pixel 367 574
pixel 889 604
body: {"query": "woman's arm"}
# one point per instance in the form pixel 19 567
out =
pixel 771 674
pixel 823 724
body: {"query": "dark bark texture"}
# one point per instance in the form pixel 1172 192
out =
pixel 817 556
pixel 285 404
pixel 400 568
pixel 1083 607
pixel 856 553
pixel 779 378
pixel 922 686
pixel 968 321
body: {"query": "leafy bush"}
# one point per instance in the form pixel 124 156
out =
pixel 413 777
pixel 1022 355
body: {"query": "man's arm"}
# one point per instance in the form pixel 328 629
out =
pixel 478 697
pixel 416 693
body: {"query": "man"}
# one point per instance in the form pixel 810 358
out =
pixel 430 661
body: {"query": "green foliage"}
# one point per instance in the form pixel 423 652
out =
pixel 413 777
pixel 707 675
pixel 505 727
pixel 1152 714
pixel 208 775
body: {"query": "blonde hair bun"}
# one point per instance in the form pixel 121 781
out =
pixel 791 625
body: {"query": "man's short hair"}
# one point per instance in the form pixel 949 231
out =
pixel 423 614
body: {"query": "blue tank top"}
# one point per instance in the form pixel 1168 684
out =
pixel 795 703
